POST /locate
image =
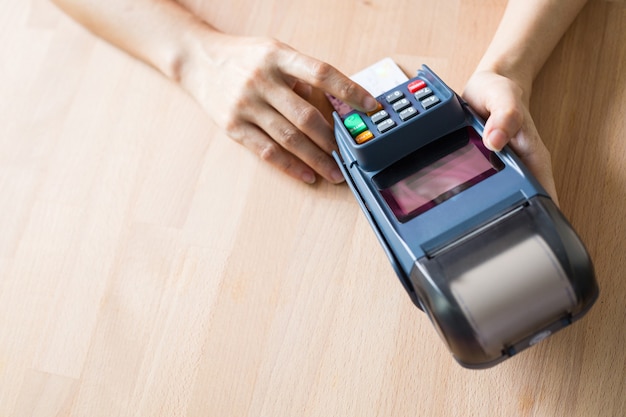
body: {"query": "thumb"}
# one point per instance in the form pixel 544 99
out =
pixel 505 118
pixel 498 100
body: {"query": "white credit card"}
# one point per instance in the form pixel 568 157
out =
pixel 376 79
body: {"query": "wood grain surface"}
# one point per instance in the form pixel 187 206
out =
pixel 149 266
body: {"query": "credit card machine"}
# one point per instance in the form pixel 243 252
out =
pixel 475 240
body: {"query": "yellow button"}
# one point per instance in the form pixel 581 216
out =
pixel 364 137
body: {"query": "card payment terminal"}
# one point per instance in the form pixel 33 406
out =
pixel 473 237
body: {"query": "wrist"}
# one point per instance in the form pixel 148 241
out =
pixel 179 56
pixel 506 67
pixel 199 55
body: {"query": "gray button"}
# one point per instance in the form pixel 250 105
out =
pixel 379 116
pixel 386 125
pixel 406 114
pixel 427 103
pixel 395 96
pixel 423 93
pixel 401 105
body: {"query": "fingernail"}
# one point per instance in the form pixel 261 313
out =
pixel 370 103
pixel 308 177
pixel 496 140
pixel 336 176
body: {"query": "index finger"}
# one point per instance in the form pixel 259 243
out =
pixel 327 78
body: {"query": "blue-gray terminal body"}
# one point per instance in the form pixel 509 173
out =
pixel 475 240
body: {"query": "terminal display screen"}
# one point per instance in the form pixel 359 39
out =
pixel 436 173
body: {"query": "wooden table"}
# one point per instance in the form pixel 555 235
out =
pixel 149 266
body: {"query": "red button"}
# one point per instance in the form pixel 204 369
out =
pixel 416 85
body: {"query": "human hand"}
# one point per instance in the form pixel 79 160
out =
pixel 504 104
pixel 257 90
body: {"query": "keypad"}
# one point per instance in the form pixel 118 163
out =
pixel 396 108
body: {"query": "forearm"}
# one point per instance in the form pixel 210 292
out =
pixel 158 32
pixel 255 88
pixel 526 36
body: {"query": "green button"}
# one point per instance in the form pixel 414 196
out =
pixel 354 124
